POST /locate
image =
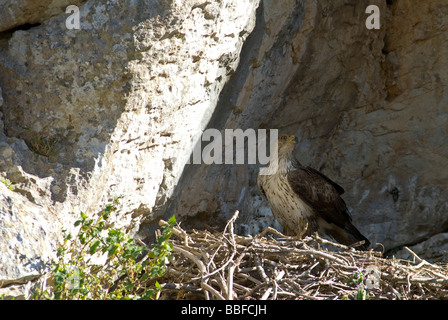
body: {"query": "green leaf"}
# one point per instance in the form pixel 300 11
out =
pixel 60 251
pixel 148 295
pixel 89 222
pixel 93 280
pixel 145 276
pixel 82 238
pixel 112 249
pixel 94 246
pixel 172 220
pixel 361 295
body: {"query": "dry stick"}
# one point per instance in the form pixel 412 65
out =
pixel 437 274
pixel 408 283
pixel 266 294
pixel 241 287
pixel 255 289
pixel 209 288
pixel 415 255
pixel 331 243
pixel 192 257
pixel 213 255
pixel 273 286
pixel 277 278
pixel 250 278
pixel 230 223
pixel 297 260
pixel 230 281
pixel 217 270
pixel 261 270
pixel 232 265
pixel 321 254
pixel 221 283
pixel 177 231
pixel 200 265
pixel 271 230
pixel 210 263
pixel 206 293
pixel 424 263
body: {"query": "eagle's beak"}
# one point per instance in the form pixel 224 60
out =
pixel 292 139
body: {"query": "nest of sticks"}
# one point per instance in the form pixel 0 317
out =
pixel 227 266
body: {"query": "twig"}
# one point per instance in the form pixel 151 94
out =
pixel 415 255
pixel 230 281
pixel 261 270
pixel 228 266
pixel 265 296
pixel 191 257
pixel 212 290
pixel 271 230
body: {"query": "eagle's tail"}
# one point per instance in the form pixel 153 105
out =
pixel 354 234
pixel 349 235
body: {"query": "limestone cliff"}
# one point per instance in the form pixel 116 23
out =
pixel 116 108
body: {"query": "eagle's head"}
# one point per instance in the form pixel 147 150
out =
pixel 284 161
pixel 286 145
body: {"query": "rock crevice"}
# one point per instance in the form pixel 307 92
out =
pixel 117 107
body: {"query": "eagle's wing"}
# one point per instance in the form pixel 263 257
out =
pixel 324 197
pixel 321 194
pixel 338 188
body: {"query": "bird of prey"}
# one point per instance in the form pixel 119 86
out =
pixel 306 201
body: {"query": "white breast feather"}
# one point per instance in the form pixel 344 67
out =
pixel 286 206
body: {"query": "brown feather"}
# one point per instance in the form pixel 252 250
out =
pixel 316 191
pixel 305 200
pixel 323 196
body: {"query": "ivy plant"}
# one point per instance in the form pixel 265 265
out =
pixel 102 263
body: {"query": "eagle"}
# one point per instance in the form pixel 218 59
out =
pixel 304 200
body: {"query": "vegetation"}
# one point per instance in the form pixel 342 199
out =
pixel 102 263
pixel 357 281
pixel 42 145
pixel 7 183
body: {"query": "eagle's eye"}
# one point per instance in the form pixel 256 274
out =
pixel 284 138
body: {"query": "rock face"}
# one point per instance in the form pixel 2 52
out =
pixel 112 108
pixel 24 14
pixel 116 108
